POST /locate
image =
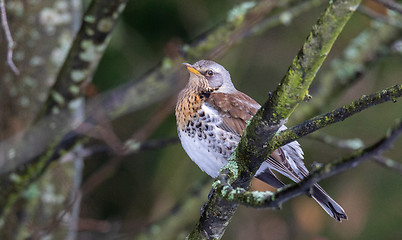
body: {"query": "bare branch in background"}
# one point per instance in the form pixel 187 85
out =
pixel 10 41
pixel 389 163
pixel 337 115
pixel 391 5
pixel 352 144
pixel 380 17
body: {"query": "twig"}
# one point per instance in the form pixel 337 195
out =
pixel 155 121
pixel 337 115
pixel 110 167
pixel 10 41
pixel 391 5
pixel 379 17
pixel 353 144
pixel 132 145
pixel 389 163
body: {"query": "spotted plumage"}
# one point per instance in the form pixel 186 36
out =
pixel 211 116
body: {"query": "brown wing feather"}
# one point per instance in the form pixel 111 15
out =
pixel 236 109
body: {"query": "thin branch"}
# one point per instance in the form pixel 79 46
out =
pixel 337 115
pixel 270 200
pixel 391 5
pixel 380 17
pixel 352 144
pixel 10 41
pixel 108 169
pixel 355 144
pixel 389 163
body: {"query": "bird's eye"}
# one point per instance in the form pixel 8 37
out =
pixel 210 73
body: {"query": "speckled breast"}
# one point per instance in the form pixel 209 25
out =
pixel 207 145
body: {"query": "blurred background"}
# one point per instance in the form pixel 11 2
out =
pixel 148 192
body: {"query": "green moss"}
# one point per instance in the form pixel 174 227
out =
pixel 216 184
pixel 233 168
pixel 258 198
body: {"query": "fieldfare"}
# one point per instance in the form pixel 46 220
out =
pixel 211 116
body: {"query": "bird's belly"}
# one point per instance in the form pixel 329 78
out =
pixel 208 149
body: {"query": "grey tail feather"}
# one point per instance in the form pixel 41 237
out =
pixel 328 204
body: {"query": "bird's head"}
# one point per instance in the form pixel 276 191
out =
pixel 210 75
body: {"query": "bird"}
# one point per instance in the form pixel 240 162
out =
pixel 211 115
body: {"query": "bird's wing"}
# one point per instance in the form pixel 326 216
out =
pixel 235 109
pixel 238 108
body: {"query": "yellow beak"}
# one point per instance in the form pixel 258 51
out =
pixel 190 68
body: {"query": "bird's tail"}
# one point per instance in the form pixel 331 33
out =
pixel 328 204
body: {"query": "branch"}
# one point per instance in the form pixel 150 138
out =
pixel 391 5
pixel 352 144
pixel 366 49
pixel 337 115
pixel 380 17
pixel 389 163
pixel 247 157
pixel 84 55
pixel 275 200
pixel 10 41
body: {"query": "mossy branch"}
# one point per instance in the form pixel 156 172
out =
pixel 292 90
pixel 85 53
pixel 337 115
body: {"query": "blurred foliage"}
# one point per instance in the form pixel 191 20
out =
pixel 148 184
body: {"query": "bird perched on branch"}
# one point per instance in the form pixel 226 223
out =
pixel 211 116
